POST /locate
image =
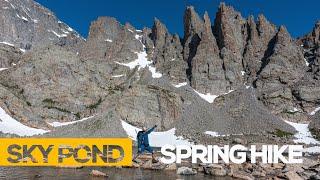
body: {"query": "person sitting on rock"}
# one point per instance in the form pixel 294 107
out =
pixel 143 142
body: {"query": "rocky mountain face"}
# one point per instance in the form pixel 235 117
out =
pixel 237 52
pixel 26 25
pixel 256 72
pixel 309 88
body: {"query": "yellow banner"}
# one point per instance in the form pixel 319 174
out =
pixel 65 152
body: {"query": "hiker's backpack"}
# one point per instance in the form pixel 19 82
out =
pixel 140 138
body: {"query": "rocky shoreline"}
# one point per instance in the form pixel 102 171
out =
pixel 310 169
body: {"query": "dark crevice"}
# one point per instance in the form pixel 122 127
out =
pixel 265 60
pixel 193 46
pixel 217 35
pixel 245 65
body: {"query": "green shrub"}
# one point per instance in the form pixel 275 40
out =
pixel 95 105
pixel 57 108
pixel 280 133
pixel 48 101
pixel 78 116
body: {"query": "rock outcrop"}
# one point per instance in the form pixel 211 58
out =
pixel 166 53
pixel 231 33
pixel 207 74
pixel 307 90
pixel 261 37
pixel 279 73
pixel 53 83
pixel 314 125
pixel 9 55
pixel 26 24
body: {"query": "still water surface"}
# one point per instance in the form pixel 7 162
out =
pixel 43 173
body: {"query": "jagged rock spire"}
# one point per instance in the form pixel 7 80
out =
pixel 159 32
pixel 193 24
pixel 167 53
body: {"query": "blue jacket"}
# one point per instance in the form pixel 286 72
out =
pixel 143 138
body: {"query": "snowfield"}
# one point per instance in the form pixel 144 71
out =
pixel 12 126
pixel 212 133
pixel 142 61
pixel 216 134
pixel 209 97
pixel 312 150
pixel 156 139
pixel 58 124
pixel 303 135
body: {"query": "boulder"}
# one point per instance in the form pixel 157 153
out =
pixel 98 173
pixel 239 141
pixel 147 164
pixel 215 170
pixel 258 173
pixel 292 176
pixel 171 167
pixel 186 171
pixel 242 175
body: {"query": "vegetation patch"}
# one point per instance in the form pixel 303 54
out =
pixel 280 133
pixel 78 116
pixel 48 101
pixel 95 105
pixel 28 103
pixel 58 108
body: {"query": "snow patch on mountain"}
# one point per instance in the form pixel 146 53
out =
pixel 156 139
pixel 59 124
pixel 315 111
pixel 12 126
pixel 117 76
pixel 12 45
pixel 312 150
pixel 294 110
pixel 142 61
pixel 22 17
pixel 209 97
pixel 6 43
pixel 216 134
pixel 2 69
pixel 57 34
pixel 307 63
pixel 180 84
pixel 155 74
pixel 212 133
pixel 303 135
